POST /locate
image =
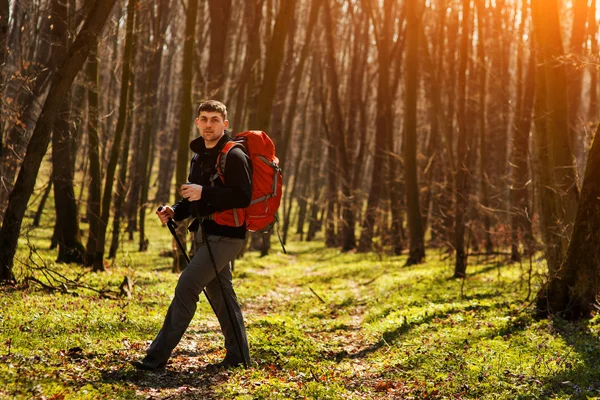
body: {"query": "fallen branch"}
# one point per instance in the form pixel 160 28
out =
pixel 54 281
pixel 318 297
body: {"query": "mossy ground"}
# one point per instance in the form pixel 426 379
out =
pixel 321 324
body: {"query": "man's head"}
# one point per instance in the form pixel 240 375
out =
pixel 211 121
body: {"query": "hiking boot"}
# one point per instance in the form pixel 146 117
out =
pixel 148 363
pixel 225 364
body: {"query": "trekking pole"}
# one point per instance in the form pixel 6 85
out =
pixel 214 263
pixel 172 226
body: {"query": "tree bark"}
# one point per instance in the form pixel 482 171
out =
pixel 298 74
pixel 575 77
pixel 483 131
pixel 572 292
pixel 463 151
pixel 383 126
pixel 342 167
pixel 521 213
pixel 121 189
pixel 274 59
pixel 593 31
pixel 70 248
pixel 220 13
pixel 98 264
pixel 38 145
pixel 38 214
pixel 411 75
pixel 4 13
pixel 185 116
pixel 560 160
pixel 95 186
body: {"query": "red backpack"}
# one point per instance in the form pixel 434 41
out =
pixel 260 215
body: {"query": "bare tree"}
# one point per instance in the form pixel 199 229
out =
pixel 38 145
pixel 98 264
pixel 411 76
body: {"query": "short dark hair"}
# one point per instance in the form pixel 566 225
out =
pixel 212 106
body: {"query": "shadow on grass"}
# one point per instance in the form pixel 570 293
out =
pixel 404 328
pixel 583 379
pixel 190 383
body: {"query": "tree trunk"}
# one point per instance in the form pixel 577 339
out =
pixel 70 248
pixel 253 11
pixel 185 117
pixel 121 188
pixel 38 214
pixel 463 151
pixel 95 186
pixel 483 131
pixel 167 138
pixel 572 292
pixel 433 67
pixel 220 13
pixel 298 170
pixel 340 165
pixel 561 165
pixel 383 126
pixel 38 145
pixel 298 74
pixel 575 78
pixel 274 59
pixel 17 137
pixel 521 214
pixel 411 75
pixel 593 31
pixel 547 196
pixel 4 13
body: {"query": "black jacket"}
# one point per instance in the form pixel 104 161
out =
pixel 236 192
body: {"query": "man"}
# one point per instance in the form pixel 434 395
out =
pixel 205 196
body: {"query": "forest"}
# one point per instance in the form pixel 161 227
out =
pixel 440 210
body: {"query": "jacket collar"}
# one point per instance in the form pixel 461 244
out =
pixel 197 145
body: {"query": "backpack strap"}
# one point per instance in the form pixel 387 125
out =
pixel 221 160
pixel 277 170
pixel 193 162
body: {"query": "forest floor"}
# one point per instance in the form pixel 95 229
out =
pixel 321 325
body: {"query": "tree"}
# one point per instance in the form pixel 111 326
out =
pixel 4 13
pixel 185 115
pixel 555 155
pixel 70 248
pixel 220 13
pixel 572 291
pixel 463 151
pixel 521 212
pixel 95 186
pixel 98 264
pixel 383 120
pixel 411 74
pixel 38 145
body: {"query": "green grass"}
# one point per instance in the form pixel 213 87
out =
pixel 321 324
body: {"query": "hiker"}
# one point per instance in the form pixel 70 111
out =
pixel 204 195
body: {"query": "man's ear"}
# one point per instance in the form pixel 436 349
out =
pixel 226 123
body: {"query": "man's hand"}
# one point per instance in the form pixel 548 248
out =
pixel 165 213
pixel 191 191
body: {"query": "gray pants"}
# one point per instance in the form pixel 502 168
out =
pixel 200 274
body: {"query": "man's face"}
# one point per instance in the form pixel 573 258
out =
pixel 211 126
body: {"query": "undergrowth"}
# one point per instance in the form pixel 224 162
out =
pixel 321 324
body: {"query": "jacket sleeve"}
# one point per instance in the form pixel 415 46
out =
pixel 237 192
pixel 181 209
